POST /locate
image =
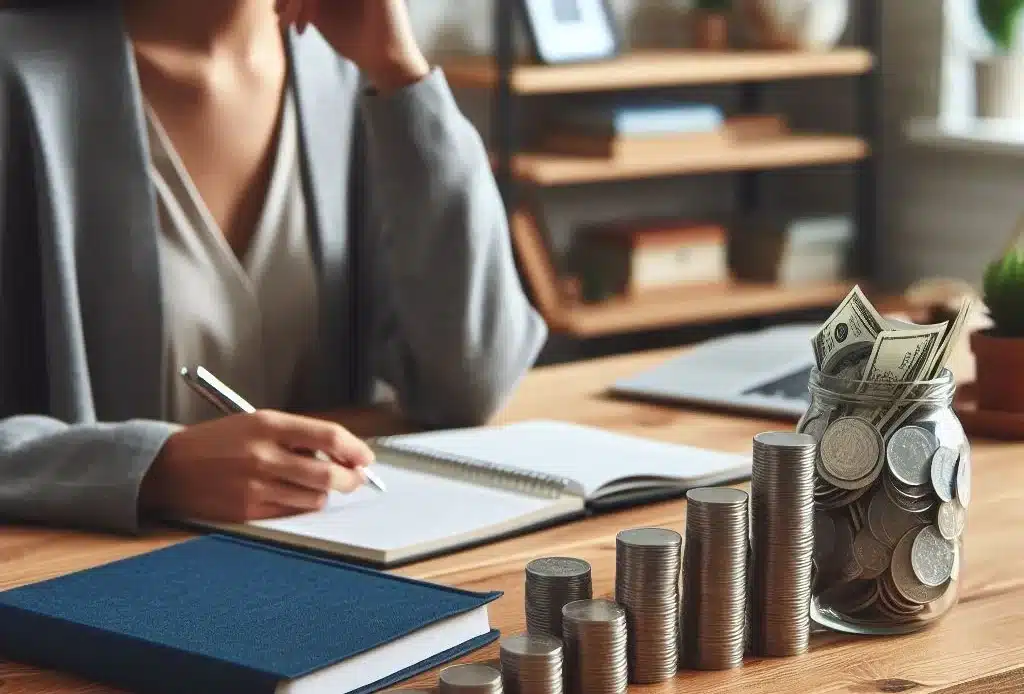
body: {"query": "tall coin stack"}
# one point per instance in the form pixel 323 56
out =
pixel 714 579
pixel 647 585
pixel 531 664
pixel 470 679
pixel 782 542
pixel 594 641
pixel 551 583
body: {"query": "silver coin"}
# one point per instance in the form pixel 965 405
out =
pixel 909 454
pixel 943 472
pixel 815 426
pixel 558 567
pixel 470 678
pixel 963 476
pixel 905 579
pixel 932 557
pixel 872 555
pixel 951 519
pixel 850 448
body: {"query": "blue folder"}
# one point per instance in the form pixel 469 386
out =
pixel 220 614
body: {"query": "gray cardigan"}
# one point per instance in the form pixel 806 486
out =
pixel 418 286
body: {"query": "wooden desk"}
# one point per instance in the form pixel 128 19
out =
pixel 978 648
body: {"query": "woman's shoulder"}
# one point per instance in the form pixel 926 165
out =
pixel 42 32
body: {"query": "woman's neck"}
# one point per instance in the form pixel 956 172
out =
pixel 201 26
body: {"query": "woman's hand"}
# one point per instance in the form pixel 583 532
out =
pixel 244 467
pixel 376 35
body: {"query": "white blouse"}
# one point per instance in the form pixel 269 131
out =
pixel 252 320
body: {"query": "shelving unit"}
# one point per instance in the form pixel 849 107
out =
pixel 518 172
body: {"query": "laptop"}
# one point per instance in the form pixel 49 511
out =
pixel 763 372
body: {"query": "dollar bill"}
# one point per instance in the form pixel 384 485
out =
pixel 849 334
pixel 900 357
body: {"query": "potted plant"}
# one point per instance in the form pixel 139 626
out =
pixel 999 351
pixel 994 33
pixel 709 25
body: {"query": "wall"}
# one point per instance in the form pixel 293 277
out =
pixel 950 212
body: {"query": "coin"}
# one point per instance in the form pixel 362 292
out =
pixel 551 583
pixel 714 593
pixel 594 643
pixel 871 554
pixel 531 664
pixel 943 472
pixel 963 476
pixel 904 578
pixel 909 454
pixel 932 557
pixel 850 449
pixel 472 678
pixel 782 542
pixel 951 519
pixel 647 564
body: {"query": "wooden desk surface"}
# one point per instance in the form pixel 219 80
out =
pixel 979 647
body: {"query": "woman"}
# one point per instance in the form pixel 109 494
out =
pixel 284 193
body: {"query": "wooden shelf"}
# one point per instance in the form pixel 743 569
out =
pixel 690 305
pixel 662 68
pixel 656 310
pixel 542 168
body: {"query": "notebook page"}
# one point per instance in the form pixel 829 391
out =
pixel 592 457
pixel 417 508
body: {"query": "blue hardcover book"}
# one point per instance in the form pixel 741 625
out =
pixel 225 615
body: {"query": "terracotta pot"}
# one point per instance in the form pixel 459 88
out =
pixel 709 30
pixel 1000 369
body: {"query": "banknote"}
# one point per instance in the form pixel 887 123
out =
pixel 849 334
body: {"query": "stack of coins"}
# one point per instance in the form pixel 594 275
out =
pixel 782 542
pixel 647 585
pixel 594 640
pixel 714 579
pixel 531 664
pixel 470 679
pixel 551 583
pixel 887 548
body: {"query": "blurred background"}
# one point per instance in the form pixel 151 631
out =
pixel 676 170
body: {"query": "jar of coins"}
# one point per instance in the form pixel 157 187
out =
pixel 891 490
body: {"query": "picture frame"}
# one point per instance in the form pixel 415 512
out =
pixel 570 31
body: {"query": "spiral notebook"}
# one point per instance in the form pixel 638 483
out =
pixel 448 490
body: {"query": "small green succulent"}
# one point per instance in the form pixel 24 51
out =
pixel 717 5
pixel 1000 18
pixel 1004 293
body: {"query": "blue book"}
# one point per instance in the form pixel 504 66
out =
pixel 225 615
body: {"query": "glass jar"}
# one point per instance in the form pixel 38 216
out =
pixel 892 487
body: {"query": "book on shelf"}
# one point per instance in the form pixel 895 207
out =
pixel 791 250
pixel 451 489
pixel 631 258
pixel 641 120
pixel 232 616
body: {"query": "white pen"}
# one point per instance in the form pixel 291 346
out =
pixel 218 394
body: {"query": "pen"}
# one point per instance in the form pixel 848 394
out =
pixel 218 394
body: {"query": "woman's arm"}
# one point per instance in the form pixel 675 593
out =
pixel 458 328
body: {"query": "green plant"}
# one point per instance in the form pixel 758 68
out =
pixel 1000 17
pixel 1004 290
pixel 717 5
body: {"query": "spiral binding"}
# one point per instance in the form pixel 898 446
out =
pixel 477 471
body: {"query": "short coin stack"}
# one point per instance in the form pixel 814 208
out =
pixel 714 579
pixel 887 550
pixel 782 542
pixel 531 664
pixel 647 585
pixel 551 583
pixel 470 679
pixel 595 647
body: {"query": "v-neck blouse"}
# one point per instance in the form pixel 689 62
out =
pixel 250 320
